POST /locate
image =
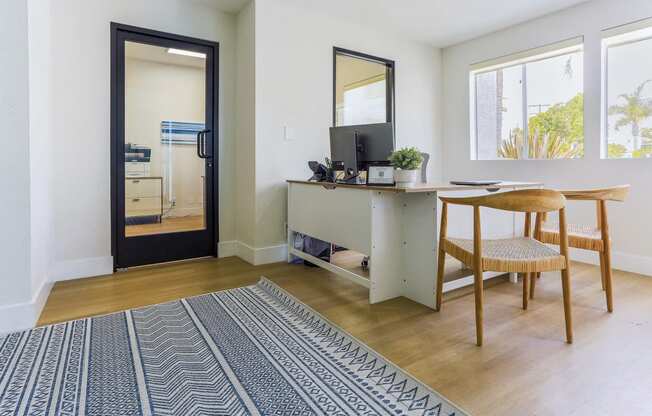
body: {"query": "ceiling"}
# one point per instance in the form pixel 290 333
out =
pixel 229 6
pixel 438 22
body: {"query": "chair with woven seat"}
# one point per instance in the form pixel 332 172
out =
pixel 521 255
pixel 586 237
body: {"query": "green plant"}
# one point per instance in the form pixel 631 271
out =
pixel 556 133
pixel 615 150
pixel 563 121
pixel 408 158
pixel 539 146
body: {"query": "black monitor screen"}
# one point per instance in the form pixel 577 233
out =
pixel 374 143
pixel 343 148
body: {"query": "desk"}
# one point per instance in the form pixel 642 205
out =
pixel 395 227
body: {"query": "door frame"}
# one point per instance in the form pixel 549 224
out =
pixel 117 119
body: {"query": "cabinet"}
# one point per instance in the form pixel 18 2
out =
pixel 144 197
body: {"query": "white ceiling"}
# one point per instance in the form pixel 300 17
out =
pixel 438 22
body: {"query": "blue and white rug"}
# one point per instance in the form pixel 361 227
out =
pixel 248 351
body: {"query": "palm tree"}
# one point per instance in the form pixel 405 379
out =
pixel 635 110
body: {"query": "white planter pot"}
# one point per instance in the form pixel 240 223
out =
pixel 406 178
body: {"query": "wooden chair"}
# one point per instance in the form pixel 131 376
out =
pixel 521 255
pixel 586 237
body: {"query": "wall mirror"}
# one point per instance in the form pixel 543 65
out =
pixel 363 88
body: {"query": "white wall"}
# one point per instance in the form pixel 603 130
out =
pixel 157 91
pixel 24 161
pixel 80 74
pixel 15 281
pixel 630 228
pixel 294 65
pixel 40 132
pixel 245 125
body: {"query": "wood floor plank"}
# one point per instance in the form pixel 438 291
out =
pixel 167 225
pixel 524 368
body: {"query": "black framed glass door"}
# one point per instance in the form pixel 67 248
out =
pixel 164 147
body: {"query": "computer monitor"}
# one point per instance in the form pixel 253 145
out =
pixel 356 147
pixel 344 151
pixel 375 143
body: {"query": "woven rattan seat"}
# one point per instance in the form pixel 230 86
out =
pixel 519 255
pixel 579 236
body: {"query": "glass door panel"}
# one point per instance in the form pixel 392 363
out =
pixel 164 117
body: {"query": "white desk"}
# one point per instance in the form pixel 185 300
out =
pixel 396 228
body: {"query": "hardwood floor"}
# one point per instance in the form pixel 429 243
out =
pixel 524 368
pixel 168 225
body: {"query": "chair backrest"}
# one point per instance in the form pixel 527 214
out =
pixel 525 200
pixel 614 193
pixel 424 167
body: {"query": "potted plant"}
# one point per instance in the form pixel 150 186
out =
pixel 406 162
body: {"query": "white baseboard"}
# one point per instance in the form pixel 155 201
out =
pixel 262 255
pixel 619 261
pixel 246 252
pixel 227 248
pixel 80 268
pixel 22 316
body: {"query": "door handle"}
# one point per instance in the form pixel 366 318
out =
pixel 201 144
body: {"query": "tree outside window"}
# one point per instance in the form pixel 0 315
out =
pixel 628 92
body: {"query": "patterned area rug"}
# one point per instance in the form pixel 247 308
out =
pixel 248 351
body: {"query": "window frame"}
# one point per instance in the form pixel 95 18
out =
pixel 608 36
pixel 390 65
pixel 550 51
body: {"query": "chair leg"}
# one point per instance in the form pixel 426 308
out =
pixel 608 284
pixel 607 257
pixel 526 289
pixel 602 271
pixel 478 306
pixel 533 283
pixel 441 261
pixel 565 285
pixel 609 289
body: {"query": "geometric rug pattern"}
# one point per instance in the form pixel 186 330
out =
pixel 253 350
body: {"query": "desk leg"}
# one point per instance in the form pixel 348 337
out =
pixel 385 260
pixel 419 247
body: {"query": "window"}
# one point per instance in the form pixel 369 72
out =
pixel 627 95
pixel 529 105
pixel 363 89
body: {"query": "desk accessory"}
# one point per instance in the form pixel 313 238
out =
pixel 380 175
pixel 322 173
pixel 476 183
